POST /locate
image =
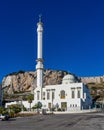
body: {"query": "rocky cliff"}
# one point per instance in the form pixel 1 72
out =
pixel 93 79
pixel 26 81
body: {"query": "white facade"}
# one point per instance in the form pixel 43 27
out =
pixel 68 96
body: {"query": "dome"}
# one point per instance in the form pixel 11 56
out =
pixel 69 79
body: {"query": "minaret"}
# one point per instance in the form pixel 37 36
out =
pixel 39 66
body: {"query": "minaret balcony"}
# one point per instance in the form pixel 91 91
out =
pixel 40 60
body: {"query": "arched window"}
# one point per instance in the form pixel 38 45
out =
pixel 48 94
pixel 78 92
pixel 72 92
pixel 62 94
pixel 43 95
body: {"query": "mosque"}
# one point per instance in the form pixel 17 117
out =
pixel 68 96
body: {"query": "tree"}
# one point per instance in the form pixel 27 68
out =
pixel 3 110
pixel 14 109
pixel 37 106
pixel 30 98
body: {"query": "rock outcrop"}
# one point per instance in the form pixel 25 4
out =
pixel 26 81
pixel 96 79
pixel 20 82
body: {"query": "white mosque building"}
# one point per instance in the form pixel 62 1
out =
pixel 68 96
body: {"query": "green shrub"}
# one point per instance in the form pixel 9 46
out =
pixel 59 109
pixel 3 110
pixel 14 108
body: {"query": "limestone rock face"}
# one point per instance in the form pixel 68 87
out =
pixel 96 79
pixel 26 81
pixel 20 82
pixel 53 77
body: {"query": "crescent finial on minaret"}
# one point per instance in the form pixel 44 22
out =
pixel 40 18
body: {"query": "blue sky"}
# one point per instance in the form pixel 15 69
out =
pixel 73 35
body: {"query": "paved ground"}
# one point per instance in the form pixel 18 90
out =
pixel 91 121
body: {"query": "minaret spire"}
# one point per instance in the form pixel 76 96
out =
pixel 39 66
pixel 40 18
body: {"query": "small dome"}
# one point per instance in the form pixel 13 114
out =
pixel 69 79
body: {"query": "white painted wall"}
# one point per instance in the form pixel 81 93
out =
pixel 76 103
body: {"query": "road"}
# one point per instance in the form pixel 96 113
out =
pixel 91 121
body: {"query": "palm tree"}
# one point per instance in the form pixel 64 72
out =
pixel 30 98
